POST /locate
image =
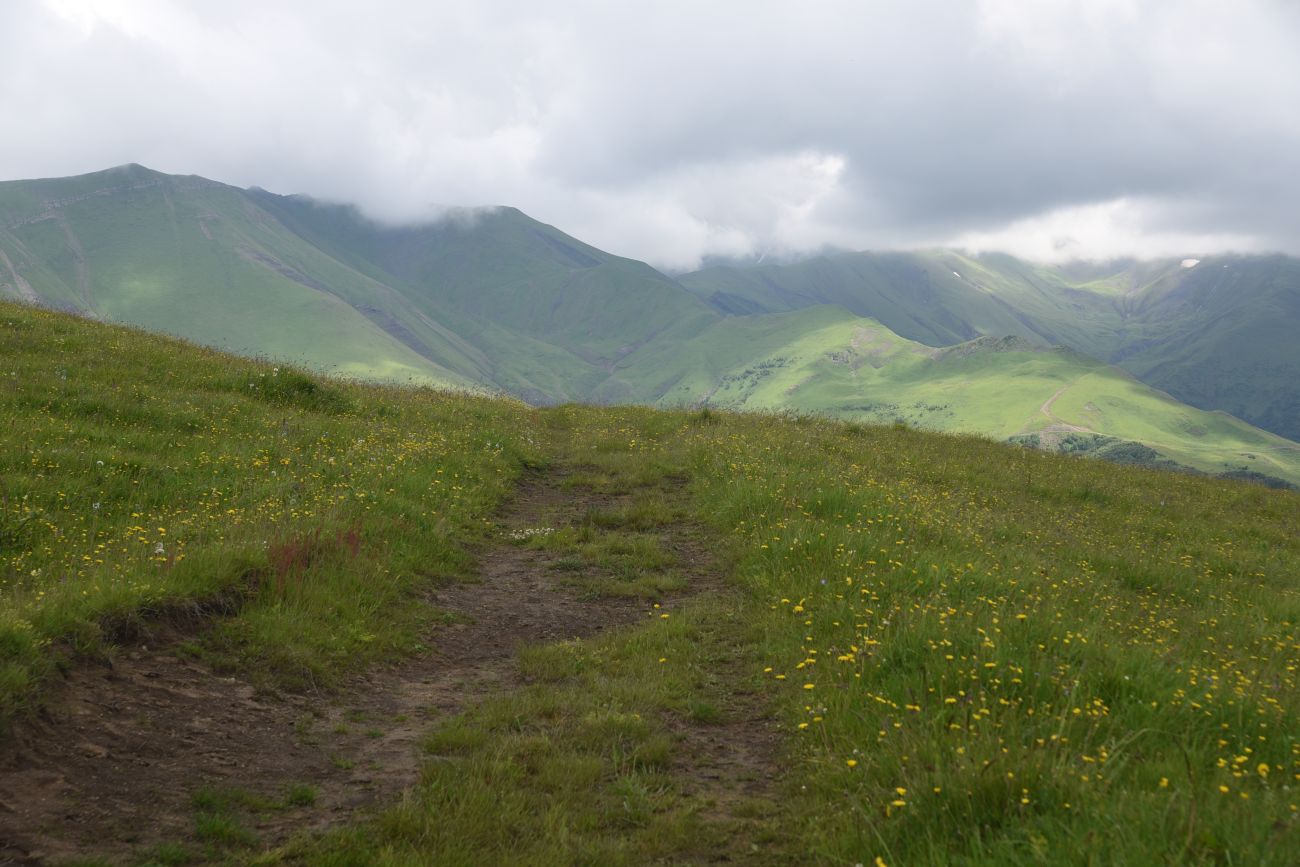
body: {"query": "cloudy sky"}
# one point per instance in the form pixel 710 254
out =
pixel 672 131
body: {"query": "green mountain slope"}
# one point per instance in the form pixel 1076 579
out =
pixel 1227 335
pixel 487 297
pixel 190 257
pixel 1217 335
pixel 826 360
pixel 912 296
pixel 535 298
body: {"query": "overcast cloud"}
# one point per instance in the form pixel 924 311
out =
pixel 670 131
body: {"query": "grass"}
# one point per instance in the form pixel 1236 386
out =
pixel 222 831
pixel 592 762
pixel 169 854
pixel 976 654
pixel 998 657
pixel 983 656
pixel 146 479
pixel 611 562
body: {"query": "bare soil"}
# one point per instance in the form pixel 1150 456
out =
pixel 112 763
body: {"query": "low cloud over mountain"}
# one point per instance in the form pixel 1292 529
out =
pixel 675 131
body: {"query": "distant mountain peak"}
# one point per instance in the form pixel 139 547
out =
pixel 133 172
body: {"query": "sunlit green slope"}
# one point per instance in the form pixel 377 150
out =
pixel 1218 333
pixel 826 360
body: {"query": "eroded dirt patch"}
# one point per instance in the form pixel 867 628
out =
pixel 114 763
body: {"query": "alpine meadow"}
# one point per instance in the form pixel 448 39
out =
pixel 923 646
pixel 845 434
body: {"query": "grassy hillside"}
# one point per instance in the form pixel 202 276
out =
pixel 916 298
pixel 136 473
pixel 1224 336
pixel 995 660
pixel 976 653
pixel 489 298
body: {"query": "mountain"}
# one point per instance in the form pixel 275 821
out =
pixel 490 298
pixel 486 297
pixel 823 359
pixel 1219 333
pixel 1224 334
pixel 187 256
pixel 556 315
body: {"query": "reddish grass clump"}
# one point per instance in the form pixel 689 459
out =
pixel 291 558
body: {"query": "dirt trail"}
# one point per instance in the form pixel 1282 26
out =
pixel 1056 429
pixel 114 761
pixel 1058 424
